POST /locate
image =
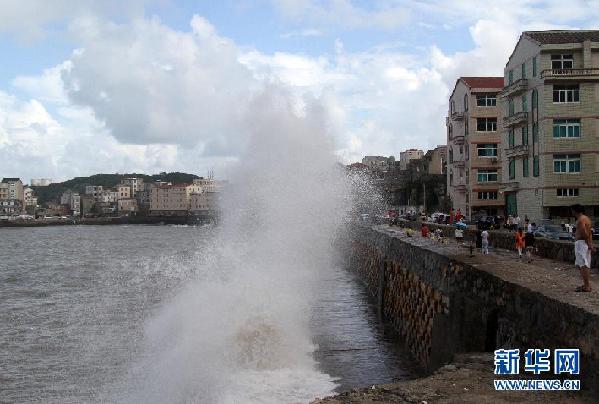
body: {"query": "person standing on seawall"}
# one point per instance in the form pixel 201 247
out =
pixel 519 242
pixel 583 246
pixel 485 242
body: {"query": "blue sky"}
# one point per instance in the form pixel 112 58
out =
pixel 103 86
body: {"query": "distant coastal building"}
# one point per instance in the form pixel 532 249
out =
pixel 40 182
pixel 12 196
pixel 136 184
pixel 436 160
pixel 381 163
pixel 127 205
pixel 406 156
pixel 94 190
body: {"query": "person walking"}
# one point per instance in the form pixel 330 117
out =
pixel 519 242
pixel 485 242
pixel 529 242
pixel 583 246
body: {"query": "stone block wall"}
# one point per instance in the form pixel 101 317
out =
pixel 441 306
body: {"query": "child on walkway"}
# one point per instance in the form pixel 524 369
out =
pixel 485 242
pixel 519 242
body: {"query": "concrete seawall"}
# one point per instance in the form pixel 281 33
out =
pixel 110 221
pixel 443 302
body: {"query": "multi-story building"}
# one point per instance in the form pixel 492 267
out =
pixel 551 124
pixel 436 160
pixel 87 204
pixel 473 146
pixel 94 190
pixel 406 156
pixel 40 182
pixel 204 202
pixel 124 191
pixel 172 199
pixel 381 163
pixel 127 205
pixel 75 204
pixel 136 184
pixel 29 196
pixel 108 196
pixel 14 188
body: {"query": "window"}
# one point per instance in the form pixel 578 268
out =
pixel 511 138
pixel 562 61
pixel 566 163
pixel 510 77
pixel 450 131
pixel 510 107
pixel 487 195
pixel 452 106
pixel 525 167
pixel 512 169
pixel 566 93
pixel 486 124
pixel 534 67
pixel 523 73
pixel 524 103
pixel 487 150
pixel 465 102
pixel 535 99
pixel 486 100
pixel 566 128
pixel 535 166
pixel 466 127
pixel 535 133
pixel 487 176
pixel 524 133
pixel 567 192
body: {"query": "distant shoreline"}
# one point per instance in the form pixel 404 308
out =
pixel 157 220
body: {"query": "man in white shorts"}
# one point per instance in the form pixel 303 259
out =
pixel 583 246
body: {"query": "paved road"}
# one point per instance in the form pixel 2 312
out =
pixel 555 279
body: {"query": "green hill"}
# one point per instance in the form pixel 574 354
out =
pixel 52 192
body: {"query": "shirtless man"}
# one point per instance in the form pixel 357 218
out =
pixel 583 246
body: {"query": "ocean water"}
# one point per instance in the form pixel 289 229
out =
pixel 141 314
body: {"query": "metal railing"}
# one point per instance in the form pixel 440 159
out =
pixel 569 73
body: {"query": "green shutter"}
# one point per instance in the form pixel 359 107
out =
pixel 525 135
pixel 511 138
pixel 510 76
pixel 524 103
pixel 535 100
pixel 534 67
pixel 512 169
pixel 525 167
pixel 523 70
pixel 535 166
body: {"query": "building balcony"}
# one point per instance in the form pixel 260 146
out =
pixel 457 140
pixel 517 151
pixel 571 74
pixel 457 116
pixel 509 186
pixel 516 119
pixel 517 87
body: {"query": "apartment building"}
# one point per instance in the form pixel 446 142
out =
pixel 551 124
pixel 124 191
pixel 204 202
pixel 127 205
pixel 94 190
pixel 473 146
pixel 406 156
pixel 172 199
pixel 136 184
pixel 14 189
pixel 436 160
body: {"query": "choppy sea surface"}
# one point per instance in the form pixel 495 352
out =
pixel 76 301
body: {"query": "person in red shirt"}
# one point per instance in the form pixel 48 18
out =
pixel 519 242
pixel 424 230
